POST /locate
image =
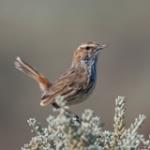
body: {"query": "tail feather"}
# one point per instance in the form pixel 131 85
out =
pixel 26 68
pixel 21 65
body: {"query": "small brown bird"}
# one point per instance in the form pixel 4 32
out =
pixel 76 83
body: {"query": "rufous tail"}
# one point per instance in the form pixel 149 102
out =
pixel 21 65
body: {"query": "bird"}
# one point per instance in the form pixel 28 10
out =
pixel 76 84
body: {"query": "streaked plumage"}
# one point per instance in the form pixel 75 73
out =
pixel 76 83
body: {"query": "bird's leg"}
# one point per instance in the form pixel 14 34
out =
pixel 74 116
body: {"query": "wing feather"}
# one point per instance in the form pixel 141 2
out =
pixel 69 85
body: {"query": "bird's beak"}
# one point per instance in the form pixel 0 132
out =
pixel 101 46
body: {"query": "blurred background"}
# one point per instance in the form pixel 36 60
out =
pixel 45 34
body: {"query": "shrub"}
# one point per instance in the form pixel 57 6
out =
pixel 67 132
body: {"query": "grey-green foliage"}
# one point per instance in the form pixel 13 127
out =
pixel 66 132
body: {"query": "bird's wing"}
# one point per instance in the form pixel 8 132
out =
pixel 68 85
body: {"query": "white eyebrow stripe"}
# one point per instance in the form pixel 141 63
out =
pixel 85 45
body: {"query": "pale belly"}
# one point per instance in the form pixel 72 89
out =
pixel 82 96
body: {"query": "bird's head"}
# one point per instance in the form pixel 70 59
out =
pixel 88 51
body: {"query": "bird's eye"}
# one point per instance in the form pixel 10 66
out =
pixel 87 48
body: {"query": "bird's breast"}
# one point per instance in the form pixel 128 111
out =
pixel 88 88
